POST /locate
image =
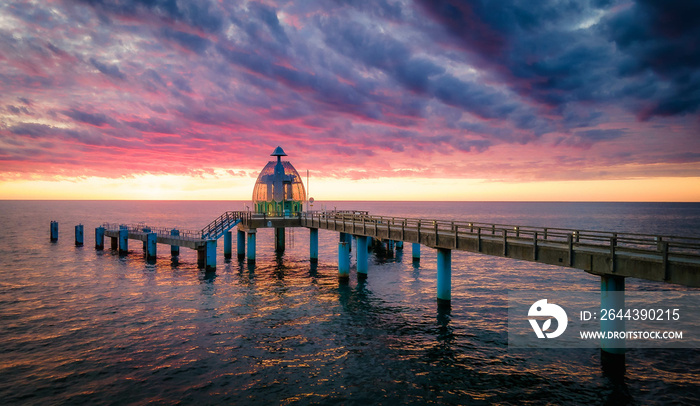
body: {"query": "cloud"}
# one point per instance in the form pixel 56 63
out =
pixel 109 70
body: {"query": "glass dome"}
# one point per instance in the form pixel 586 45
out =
pixel 279 189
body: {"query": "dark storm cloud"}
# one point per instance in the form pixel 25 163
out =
pixel 548 51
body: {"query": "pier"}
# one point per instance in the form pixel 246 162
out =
pixel 279 197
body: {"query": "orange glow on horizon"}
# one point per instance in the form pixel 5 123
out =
pixel 178 187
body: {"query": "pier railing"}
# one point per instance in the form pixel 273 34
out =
pixel 353 222
pixel 184 234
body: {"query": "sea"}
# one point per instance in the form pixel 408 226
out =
pixel 86 326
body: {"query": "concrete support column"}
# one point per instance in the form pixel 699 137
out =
pixel 279 239
pixel 175 249
pixel 99 238
pixel 415 248
pixel 612 296
pixel 114 243
pixel 228 244
pixel 151 244
pixel 146 230
pixel 240 244
pixel 210 255
pixel 343 260
pixel 399 245
pixel 54 231
pixel 444 276
pixel 123 240
pixel 361 257
pixel 79 235
pixel 313 245
pixel 251 245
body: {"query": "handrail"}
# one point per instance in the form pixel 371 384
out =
pixel 555 234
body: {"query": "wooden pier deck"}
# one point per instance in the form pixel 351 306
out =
pixel 658 258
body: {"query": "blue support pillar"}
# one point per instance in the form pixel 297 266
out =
pixel 114 243
pixel 99 238
pixel 612 296
pixel 228 244
pixel 361 257
pixel 151 244
pixel 146 230
pixel 210 255
pixel 251 245
pixel 343 260
pixel 444 276
pixel 240 244
pixel 279 239
pixel 79 235
pixel 415 248
pixel 313 245
pixel 399 245
pixel 123 240
pixel 54 231
pixel 175 249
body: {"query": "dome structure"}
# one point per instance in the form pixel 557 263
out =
pixel 279 189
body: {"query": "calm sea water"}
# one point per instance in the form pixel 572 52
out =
pixel 80 326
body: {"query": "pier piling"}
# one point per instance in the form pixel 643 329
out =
pixel 279 239
pixel 415 249
pixel 151 245
pixel 228 236
pixel 313 245
pixel 251 245
pixel 99 238
pixel 444 277
pixel 174 249
pixel 79 235
pixel 123 240
pixel 361 257
pixel 210 264
pixel 343 260
pixel 54 231
pixel 240 244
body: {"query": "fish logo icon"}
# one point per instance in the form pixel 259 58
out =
pixel 542 308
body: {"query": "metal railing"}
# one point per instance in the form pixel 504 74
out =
pixel 632 241
pixel 184 234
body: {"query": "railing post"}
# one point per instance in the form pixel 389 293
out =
pixel 664 253
pixel 534 246
pixel 570 244
pixel 505 242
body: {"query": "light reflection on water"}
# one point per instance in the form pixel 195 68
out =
pixel 85 326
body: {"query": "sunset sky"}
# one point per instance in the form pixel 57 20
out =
pixel 379 100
